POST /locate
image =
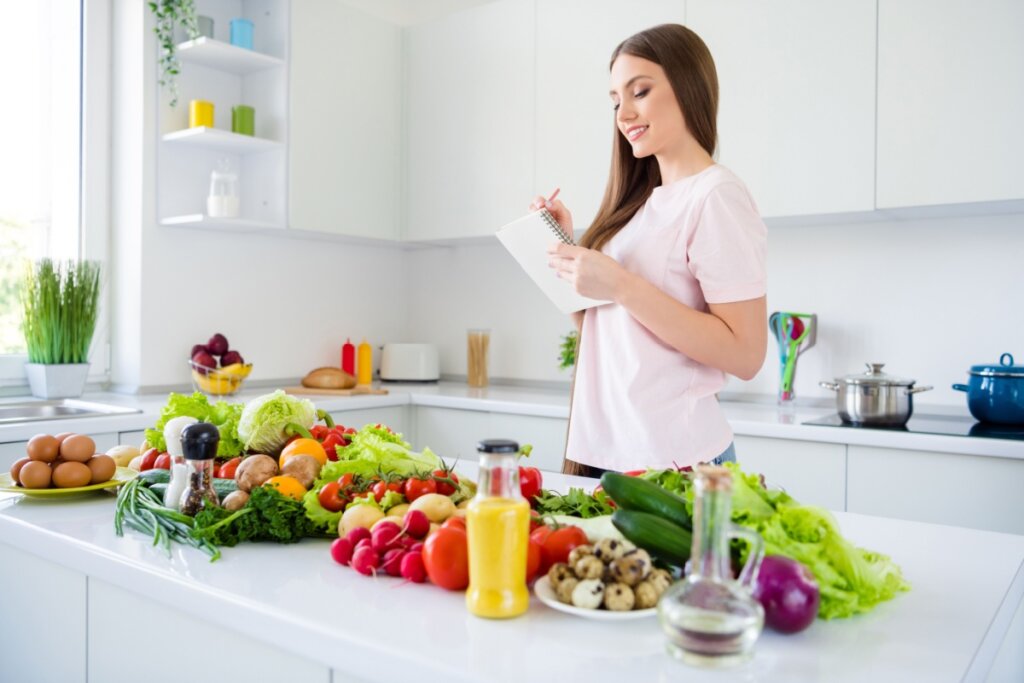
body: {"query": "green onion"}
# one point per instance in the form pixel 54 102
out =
pixel 59 306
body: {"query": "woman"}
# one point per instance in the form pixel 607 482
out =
pixel 678 247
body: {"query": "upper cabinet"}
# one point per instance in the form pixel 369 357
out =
pixel 797 99
pixel 469 121
pixel 950 101
pixel 345 121
pixel 575 120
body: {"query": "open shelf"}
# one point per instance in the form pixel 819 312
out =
pixel 217 54
pixel 214 138
pixel 198 220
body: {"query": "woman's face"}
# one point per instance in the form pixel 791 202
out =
pixel 646 110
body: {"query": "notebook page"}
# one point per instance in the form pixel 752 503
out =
pixel 527 239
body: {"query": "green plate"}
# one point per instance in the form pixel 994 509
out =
pixel 121 476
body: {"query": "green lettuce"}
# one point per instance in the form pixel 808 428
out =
pixel 264 419
pixel 376 450
pixel 223 415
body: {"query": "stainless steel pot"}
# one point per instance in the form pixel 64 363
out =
pixel 874 398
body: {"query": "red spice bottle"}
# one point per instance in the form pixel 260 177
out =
pixel 348 357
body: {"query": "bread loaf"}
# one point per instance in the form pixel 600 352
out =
pixel 328 378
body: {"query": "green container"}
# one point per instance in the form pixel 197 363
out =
pixel 243 119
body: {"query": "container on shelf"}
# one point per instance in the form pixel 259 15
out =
pixel 243 119
pixel 241 33
pixel 223 200
pixel 205 25
pixel 200 113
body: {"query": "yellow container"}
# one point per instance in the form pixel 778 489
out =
pixel 200 113
pixel 498 533
pixel 364 364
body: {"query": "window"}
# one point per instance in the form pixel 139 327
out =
pixel 43 65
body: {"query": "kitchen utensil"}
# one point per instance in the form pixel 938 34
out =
pixel 122 475
pixel 995 393
pixel 795 333
pixel 874 397
pixel 409 363
pixel 542 589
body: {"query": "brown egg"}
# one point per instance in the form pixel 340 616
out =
pixel 16 468
pixel 35 475
pixel 42 447
pixel 63 435
pixel 78 448
pixel 71 475
pixel 102 468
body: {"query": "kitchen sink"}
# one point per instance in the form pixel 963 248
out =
pixel 30 411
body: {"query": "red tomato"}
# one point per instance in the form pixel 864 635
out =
pixel 228 469
pixel 530 481
pixel 556 544
pixel 454 522
pixel 446 558
pixel 148 458
pixel 345 480
pixel 414 488
pixel 443 487
pixel 534 556
pixel 382 487
pixel 331 499
pixel 162 462
pixel 535 520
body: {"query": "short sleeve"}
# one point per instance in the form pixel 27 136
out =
pixel 727 252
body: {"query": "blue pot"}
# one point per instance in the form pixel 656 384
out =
pixel 995 393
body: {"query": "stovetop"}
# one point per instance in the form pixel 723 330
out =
pixel 945 425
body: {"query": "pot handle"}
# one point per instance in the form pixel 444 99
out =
pixel 917 390
pixel 829 385
pixel 961 387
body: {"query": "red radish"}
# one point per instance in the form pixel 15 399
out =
pixel 365 543
pixel 385 536
pixel 406 541
pixel 341 551
pixel 416 548
pixel 416 523
pixel 357 534
pixel 413 569
pixel 365 560
pixel 392 563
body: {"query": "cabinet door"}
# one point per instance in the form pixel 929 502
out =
pixel 797 99
pixel 451 434
pixel 393 416
pixel 345 121
pixel 575 120
pixel 943 488
pixel 813 473
pixel 545 434
pixel 469 118
pixel 950 101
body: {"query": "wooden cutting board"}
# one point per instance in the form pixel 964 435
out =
pixel 356 391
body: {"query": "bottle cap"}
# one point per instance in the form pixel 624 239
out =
pixel 497 446
pixel 199 441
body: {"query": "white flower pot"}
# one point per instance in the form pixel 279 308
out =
pixel 65 380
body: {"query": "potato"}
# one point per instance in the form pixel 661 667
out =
pixel 123 455
pixel 364 516
pixel 235 500
pixel 398 510
pixel 463 505
pixel 254 471
pixel 136 463
pixel 435 506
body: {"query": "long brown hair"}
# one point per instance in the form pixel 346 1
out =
pixel 691 73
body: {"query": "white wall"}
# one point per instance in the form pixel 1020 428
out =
pixel 927 297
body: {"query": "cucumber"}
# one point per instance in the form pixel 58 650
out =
pixel 155 476
pixel 633 493
pixel 658 536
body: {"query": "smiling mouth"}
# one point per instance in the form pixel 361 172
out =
pixel 634 133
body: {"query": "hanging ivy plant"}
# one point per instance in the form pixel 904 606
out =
pixel 169 15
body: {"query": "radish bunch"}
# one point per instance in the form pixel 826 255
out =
pixel 389 548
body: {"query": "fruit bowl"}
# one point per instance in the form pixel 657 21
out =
pixel 219 381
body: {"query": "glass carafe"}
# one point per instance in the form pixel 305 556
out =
pixel 710 618
pixel 223 200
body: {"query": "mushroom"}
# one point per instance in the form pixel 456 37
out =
pixel 305 468
pixel 255 471
pixel 235 500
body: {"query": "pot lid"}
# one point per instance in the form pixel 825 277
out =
pixel 1006 368
pixel 875 376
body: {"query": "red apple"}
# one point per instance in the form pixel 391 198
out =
pixel 230 358
pixel 218 345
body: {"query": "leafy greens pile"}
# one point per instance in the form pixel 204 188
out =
pixel 267 516
pixel 223 415
pixel 576 503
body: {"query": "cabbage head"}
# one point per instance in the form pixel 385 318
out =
pixel 264 419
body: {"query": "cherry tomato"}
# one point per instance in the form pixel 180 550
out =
pixel 414 488
pixel 530 481
pixel 446 558
pixel 228 469
pixel 148 458
pixel 345 480
pixel 382 487
pixel 331 499
pixel 443 487
pixel 162 462
pixel 534 555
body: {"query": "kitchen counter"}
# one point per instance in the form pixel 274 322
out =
pixel 294 599
pixel 746 418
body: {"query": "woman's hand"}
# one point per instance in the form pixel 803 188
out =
pixel 591 273
pixel 557 210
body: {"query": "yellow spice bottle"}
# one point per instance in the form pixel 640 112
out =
pixel 364 364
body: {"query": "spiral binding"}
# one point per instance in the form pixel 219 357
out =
pixel 555 227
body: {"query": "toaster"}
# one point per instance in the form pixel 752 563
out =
pixel 409 363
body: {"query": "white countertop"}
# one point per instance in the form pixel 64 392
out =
pixel 746 418
pixel 966 586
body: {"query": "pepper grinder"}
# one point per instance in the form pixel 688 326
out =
pixel 199 442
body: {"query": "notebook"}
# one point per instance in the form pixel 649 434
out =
pixel 527 239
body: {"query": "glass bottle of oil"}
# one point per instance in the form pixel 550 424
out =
pixel 710 618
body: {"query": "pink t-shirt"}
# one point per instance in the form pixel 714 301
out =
pixel 637 401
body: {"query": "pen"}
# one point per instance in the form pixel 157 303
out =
pixel 547 202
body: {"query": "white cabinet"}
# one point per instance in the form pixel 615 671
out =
pixel 813 473
pixel 215 71
pixel 950 101
pixel 797 99
pixel 469 121
pixel 941 488
pixel 575 120
pixel 453 434
pixel 345 121
pixel 394 417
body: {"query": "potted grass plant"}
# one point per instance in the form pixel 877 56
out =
pixel 59 307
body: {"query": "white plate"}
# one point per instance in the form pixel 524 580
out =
pixel 542 589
